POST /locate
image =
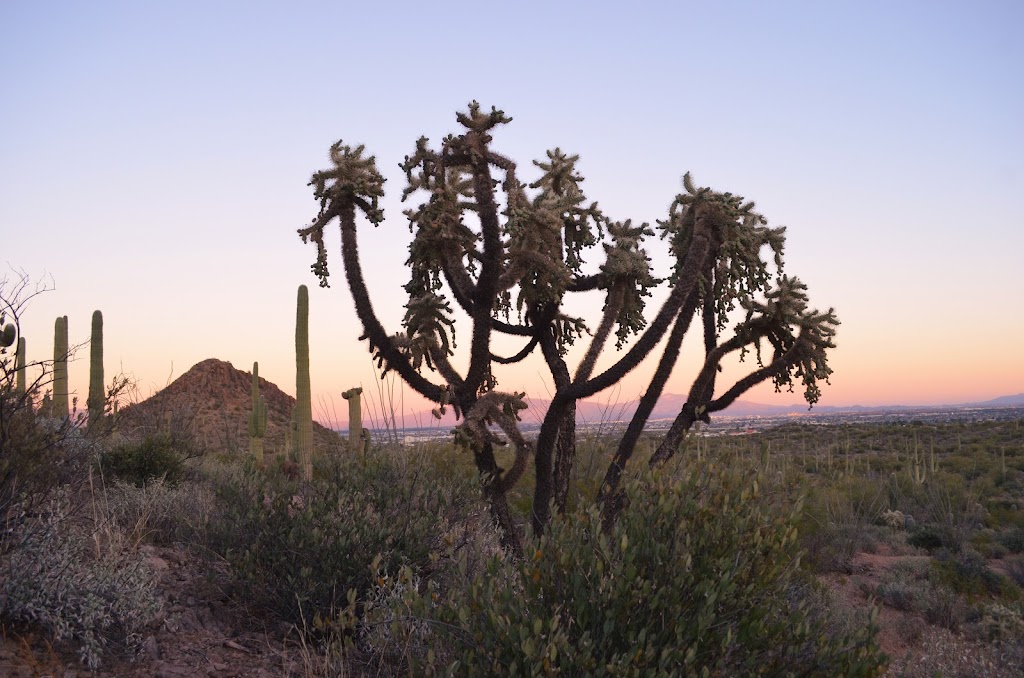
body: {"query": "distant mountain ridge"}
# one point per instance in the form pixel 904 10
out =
pixel 214 397
pixel 669 405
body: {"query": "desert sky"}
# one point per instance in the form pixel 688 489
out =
pixel 154 160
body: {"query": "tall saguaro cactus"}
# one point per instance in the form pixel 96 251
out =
pixel 303 397
pixel 257 417
pixel 355 417
pixel 60 368
pixel 96 398
pixel 19 366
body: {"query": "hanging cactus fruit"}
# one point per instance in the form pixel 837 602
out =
pixel 355 417
pixel 303 397
pixel 96 398
pixel 60 368
pixel 257 417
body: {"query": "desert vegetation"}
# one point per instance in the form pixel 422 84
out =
pixel 802 550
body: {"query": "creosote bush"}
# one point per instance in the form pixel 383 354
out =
pixel 699 576
pixel 297 549
pixel 154 458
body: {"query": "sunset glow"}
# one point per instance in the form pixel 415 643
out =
pixel 155 161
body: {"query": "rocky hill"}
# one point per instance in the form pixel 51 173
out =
pixel 212 401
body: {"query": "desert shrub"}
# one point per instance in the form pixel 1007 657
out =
pixel 927 537
pixel 38 455
pixel 999 622
pixel 967 573
pixel 698 574
pixel 1015 570
pixel 164 513
pixel 95 593
pixel 1013 540
pixel 838 522
pixel 296 550
pixel 154 457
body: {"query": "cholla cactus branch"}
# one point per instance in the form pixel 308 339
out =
pixel 501 410
pixel 518 357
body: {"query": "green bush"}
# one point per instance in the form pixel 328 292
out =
pixel 967 573
pixel 927 537
pixel 700 575
pixel 296 550
pixel 155 457
pixel 1013 540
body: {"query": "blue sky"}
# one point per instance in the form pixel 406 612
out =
pixel 154 160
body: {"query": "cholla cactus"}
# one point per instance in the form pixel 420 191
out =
pixel 510 254
pixel 894 520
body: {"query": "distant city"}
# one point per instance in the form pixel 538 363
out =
pixel 743 424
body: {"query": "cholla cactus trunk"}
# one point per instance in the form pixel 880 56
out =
pixel 257 417
pixel 355 418
pixel 19 366
pixel 303 397
pixel 60 368
pixel 96 395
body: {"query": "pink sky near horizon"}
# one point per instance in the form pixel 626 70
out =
pixel 154 160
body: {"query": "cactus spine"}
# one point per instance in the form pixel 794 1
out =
pixel 257 417
pixel 60 368
pixel 19 366
pixel 355 418
pixel 303 397
pixel 96 398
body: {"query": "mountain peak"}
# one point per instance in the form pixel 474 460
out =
pixel 213 399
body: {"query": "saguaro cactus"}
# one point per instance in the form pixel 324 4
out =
pixel 19 366
pixel 60 368
pixel 355 417
pixel 257 417
pixel 96 398
pixel 303 397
